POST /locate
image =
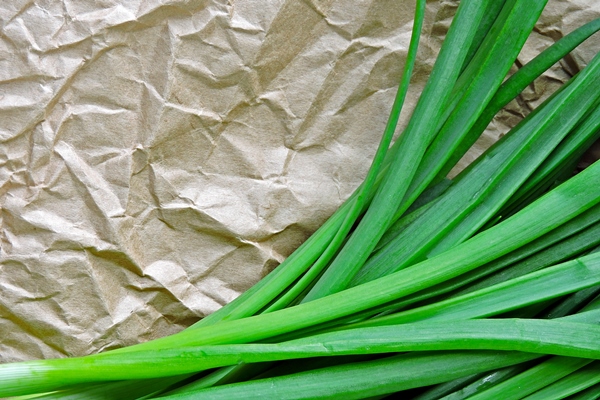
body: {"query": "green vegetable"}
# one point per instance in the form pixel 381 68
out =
pixel 394 291
pixel 363 379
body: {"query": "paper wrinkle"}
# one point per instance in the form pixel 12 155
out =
pixel 158 157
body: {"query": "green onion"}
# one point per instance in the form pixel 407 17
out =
pixel 364 379
pixel 394 292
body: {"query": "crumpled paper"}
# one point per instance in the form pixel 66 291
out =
pixel 158 157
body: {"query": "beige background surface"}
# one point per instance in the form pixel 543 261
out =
pixel 158 157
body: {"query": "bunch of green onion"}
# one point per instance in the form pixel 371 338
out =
pixel 486 286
